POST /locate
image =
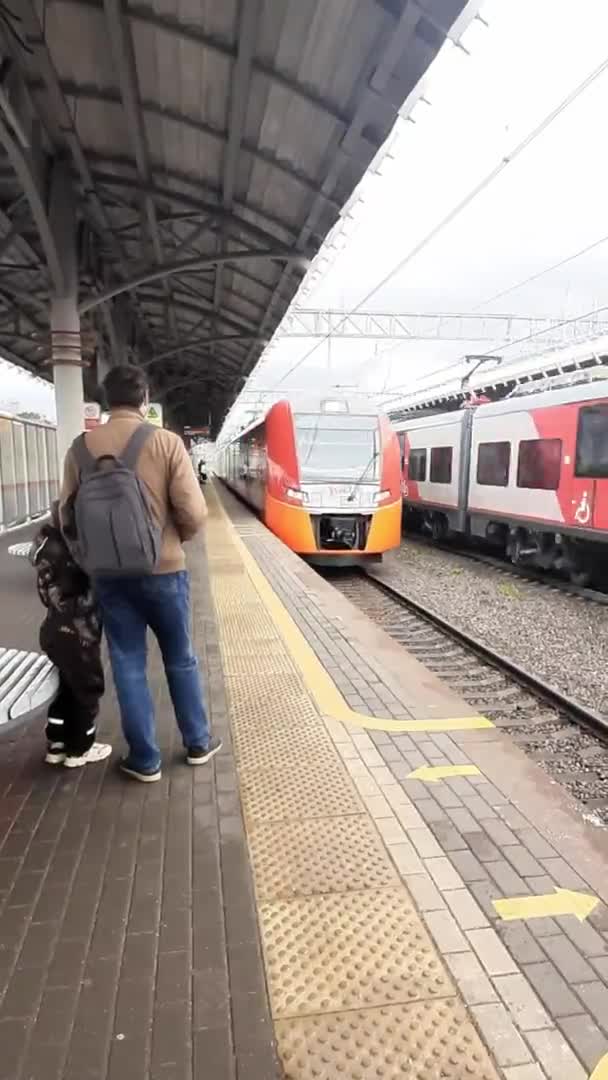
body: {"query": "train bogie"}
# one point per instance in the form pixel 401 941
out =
pixel 529 474
pixel 325 478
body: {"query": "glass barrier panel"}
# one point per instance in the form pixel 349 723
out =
pixel 53 468
pixel 7 461
pixel 33 470
pixel 44 470
pixel 9 478
pixel 21 476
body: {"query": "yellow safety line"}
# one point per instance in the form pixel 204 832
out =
pixel 328 698
pixel 601 1070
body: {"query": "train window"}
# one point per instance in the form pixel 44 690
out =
pixel 441 465
pixel 539 463
pixel 337 447
pixel 416 469
pixel 493 460
pixel 592 442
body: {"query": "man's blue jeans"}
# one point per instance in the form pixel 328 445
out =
pixel 128 607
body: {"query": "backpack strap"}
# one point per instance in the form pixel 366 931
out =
pixel 85 462
pixel 135 445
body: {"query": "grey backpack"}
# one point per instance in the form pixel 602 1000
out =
pixel 116 534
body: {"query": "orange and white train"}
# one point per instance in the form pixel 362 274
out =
pixel 324 475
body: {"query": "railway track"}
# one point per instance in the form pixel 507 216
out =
pixel 567 739
pixel 546 580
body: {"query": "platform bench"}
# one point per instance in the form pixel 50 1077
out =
pixel 29 683
pixel 21 550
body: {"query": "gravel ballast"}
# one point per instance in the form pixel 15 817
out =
pixel 560 638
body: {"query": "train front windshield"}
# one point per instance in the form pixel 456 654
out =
pixel 334 448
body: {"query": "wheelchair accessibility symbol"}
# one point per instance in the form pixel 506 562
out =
pixel 582 514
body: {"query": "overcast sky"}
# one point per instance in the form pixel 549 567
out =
pixel 544 207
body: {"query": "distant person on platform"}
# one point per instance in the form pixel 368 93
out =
pixel 136 501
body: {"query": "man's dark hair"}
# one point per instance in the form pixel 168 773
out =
pixel 125 386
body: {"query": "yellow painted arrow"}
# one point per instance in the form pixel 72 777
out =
pixel 601 1070
pixel 561 902
pixel 432 774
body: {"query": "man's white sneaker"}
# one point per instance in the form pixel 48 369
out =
pixel 98 752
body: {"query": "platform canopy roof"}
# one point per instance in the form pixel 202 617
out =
pixel 208 147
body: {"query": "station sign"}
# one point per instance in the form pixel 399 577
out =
pixel 197 430
pixel 154 414
pixel 92 415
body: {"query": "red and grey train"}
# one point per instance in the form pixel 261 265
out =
pixel 324 475
pixel 529 473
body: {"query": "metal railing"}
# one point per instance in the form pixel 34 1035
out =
pixel 29 473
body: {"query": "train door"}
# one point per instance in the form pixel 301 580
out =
pixel 592 467
pixel 401 438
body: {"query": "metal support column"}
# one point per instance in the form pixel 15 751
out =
pixel 67 372
pixel 66 347
pixel 123 322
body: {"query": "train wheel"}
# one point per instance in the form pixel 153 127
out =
pixel 439 528
pixel 580 578
pixel 516 547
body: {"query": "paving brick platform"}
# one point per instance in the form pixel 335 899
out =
pixel 128 937
pixel 129 915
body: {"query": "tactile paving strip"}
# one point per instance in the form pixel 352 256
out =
pixel 242 624
pixel 231 602
pixel 244 604
pixel 256 665
pixel 230 564
pixel 261 646
pixel 296 792
pixel 280 749
pixel 348 951
pixel 271 698
pixel 235 600
pixel 275 740
pixel 429 1040
pixel 301 858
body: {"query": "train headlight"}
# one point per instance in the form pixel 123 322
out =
pixel 381 496
pixel 296 495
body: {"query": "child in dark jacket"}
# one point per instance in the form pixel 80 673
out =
pixel 71 637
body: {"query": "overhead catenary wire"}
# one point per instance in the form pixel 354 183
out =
pixel 507 345
pixel 542 273
pixel 468 199
pixel 498 296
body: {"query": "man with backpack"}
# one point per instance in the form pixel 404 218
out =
pixel 130 499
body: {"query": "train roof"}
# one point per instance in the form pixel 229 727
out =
pixel 328 404
pixel 334 404
pixel 593 390
pixel 434 419
pixel 589 391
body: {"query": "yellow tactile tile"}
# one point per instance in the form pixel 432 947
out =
pixel 348 951
pixel 428 1040
pixel 333 855
pixel 275 740
pixel 294 792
